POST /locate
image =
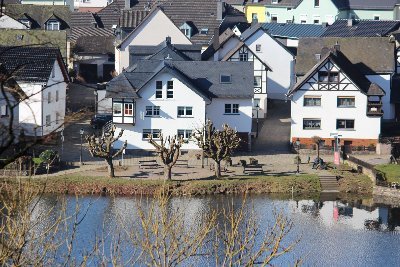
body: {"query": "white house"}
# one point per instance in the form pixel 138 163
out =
pixel 273 62
pixel 176 97
pixel 41 74
pixel 148 33
pixel 335 97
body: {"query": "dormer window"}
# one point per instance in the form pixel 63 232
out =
pixel 225 78
pixel 186 30
pixel 26 22
pixel 53 25
pixel 204 31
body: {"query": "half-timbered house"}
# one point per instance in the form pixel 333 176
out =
pixel 334 97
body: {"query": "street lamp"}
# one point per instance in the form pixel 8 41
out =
pixel 298 155
pixel 81 132
pixel 257 109
pixel 95 101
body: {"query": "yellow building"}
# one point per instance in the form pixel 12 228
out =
pixel 255 11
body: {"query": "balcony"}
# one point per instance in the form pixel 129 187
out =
pixel 374 108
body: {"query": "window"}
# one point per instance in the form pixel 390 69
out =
pixel 312 101
pixel 258 48
pixel 376 17
pixel 328 77
pixel 311 124
pixel 158 89
pixel 346 102
pixel 26 22
pixel 117 109
pixel 243 56
pixel 289 21
pixel 204 31
pixel 4 111
pixel 170 89
pixel 256 102
pixel 225 78
pixel 185 134
pixel 344 124
pixel 316 3
pixel 152 111
pixel 186 30
pixel 318 57
pixel 57 118
pixel 185 111
pixel 303 19
pixel 274 18
pixel 231 109
pixel 48 120
pixel 257 81
pixel 254 16
pixel 274 1
pixel 53 25
pixel 57 96
pixel 53 73
pixel 154 133
pixel 316 20
pixel 128 109
pixel 48 97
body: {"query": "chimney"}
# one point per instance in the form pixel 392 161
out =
pixel 215 39
pixel 127 4
pixel 168 40
pixel 219 10
pixel 350 23
pixel 336 47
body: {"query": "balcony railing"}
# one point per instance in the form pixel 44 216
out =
pixel 374 108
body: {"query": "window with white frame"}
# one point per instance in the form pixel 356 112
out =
pixel 57 96
pixel 274 18
pixel 128 109
pixel 328 76
pixel 254 16
pixel 316 3
pixel 124 111
pixel 48 97
pixel 170 89
pixel 231 109
pixel 159 89
pixel 312 101
pixel 258 47
pixel 26 22
pixel 346 102
pixel 185 111
pixel 185 134
pixel 257 84
pixel 4 111
pixel 303 19
pixel 152 111
pixel 117 109
pixel 345 124
pixel 57 117
pixel 256 103
pixel 154 133
pixel 243 54
pixel 53 25
pixel 311 124
pixel 48 120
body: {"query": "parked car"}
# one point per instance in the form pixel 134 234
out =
pixel 99 120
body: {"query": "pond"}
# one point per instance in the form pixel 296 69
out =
pixel 332 233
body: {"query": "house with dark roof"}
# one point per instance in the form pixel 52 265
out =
pixel 343 87
pixel 369 9
pixel 361 28
pixel 151 98
pixel 273 71
pixel 40 74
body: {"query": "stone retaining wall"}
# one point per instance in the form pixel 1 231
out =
pixel 386 194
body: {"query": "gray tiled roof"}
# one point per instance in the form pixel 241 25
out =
pixel 110 14
pixel 82 19
pixel 291 30
pixel 366 4
pixel 77 32
pixel 95 45
pixel 132 18
pixel 351 70
pixel 29 63
pixel 201 76
pixel 361 28
pixel 371 55
pixel 39 14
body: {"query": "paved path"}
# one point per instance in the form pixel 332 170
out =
pixel 274 134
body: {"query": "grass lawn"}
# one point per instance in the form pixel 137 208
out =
pixel 391 171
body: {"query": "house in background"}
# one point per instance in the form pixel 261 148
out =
pixel 273 63
pixel 7 22
pixel 151 97
pixel 44 79
pixel 90 6
pixel 68 3
pixel 255 10
pixel 372 10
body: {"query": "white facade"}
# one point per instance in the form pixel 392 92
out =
pixel 89 4
pixel 152 31
pixel 44 110
pixel 328 112
pixel 169 122
pixel 7 22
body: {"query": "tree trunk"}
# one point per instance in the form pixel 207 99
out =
pixel 318 151
pixel 168 172
pixel 111 173
pixel 218 169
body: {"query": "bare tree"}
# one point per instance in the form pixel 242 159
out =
pixel 168 150
pixel 102 147
pixel 217 144
pixel 317 140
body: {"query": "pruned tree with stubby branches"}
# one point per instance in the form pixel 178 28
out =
pixel 317 140
pixel 102 147
pixel 168 150
pixel 217 144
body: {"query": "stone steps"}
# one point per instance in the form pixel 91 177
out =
pixel 329 183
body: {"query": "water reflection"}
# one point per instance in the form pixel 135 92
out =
pixel 333 233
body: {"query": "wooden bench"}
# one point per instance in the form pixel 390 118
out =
pixel 253 169
pixel 182 163
pixel 149 164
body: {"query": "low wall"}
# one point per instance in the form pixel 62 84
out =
pixel 386 195
pixel 367 168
